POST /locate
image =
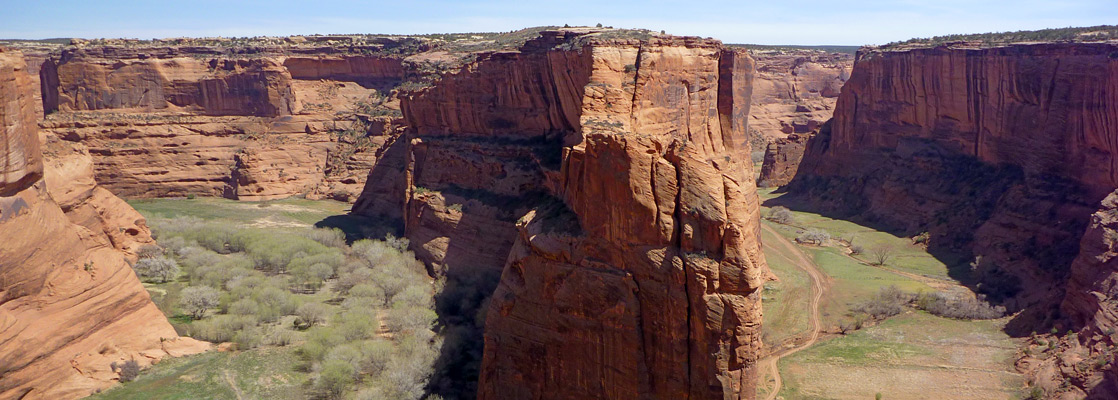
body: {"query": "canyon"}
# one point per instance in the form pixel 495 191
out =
pixel 70 305
pixel 999 153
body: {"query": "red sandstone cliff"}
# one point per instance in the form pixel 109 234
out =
pixel 70 304
pixel 240 122
pixel 606 177
pixel 795 91
pixel 1001 153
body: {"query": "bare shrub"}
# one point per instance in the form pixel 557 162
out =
pixel 331 237
pixel 195 300
pixel 128 370
pixel 948 306
pixel 149 251
pixel 882 255
pixel 814 236
pixel 157 269
pixel 781 215
pixel 311 314
pixel 888 302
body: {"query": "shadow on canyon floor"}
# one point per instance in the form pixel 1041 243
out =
pixel 357 227
pixel 1029 319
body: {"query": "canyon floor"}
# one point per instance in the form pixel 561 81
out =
pixel 913 355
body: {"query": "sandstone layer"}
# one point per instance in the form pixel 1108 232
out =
pixel 782 160
pixel 1001 153
pixel 795 90
pixel 251 123
pixel 70 304
pixel 606 175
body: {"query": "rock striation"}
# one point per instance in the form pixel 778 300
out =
pixel 605 175
pixel 795 90
pixel 70 304
pixel 1002 153
pixel 782 160
pixel 250 123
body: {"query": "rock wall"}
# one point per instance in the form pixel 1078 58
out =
pixel 244 123
pixel 70 304
pixel 1001 153
pixel 782 160
pixel 795 91
pixel 606 179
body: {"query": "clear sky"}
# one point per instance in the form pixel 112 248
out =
pixel 843 22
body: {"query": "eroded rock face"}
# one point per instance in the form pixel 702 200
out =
pixel 70 304
pixel 608 181
pixel 179 120
pixel 796 91
pixel 782 160
pixel 1003 153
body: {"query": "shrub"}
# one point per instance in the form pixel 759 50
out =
pixel 157 269
pixel 335 378
pixel 311 314
pixel 195 300
pixel 149 251
pixel 375 355
pixel 814 236
pixel 243 307
pixel 128 370
pixel 888 302
pixel 945 305
pixel 414 296
pixel 348 353
pixel 406 319
pixel 331 237
pixel 273 302
pixel 248 337
pixel 279 336
pixel 856 249
pixel 347 281
pixel 781 215
pixel 356 324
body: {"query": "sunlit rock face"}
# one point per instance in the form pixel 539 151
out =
pixel 70 304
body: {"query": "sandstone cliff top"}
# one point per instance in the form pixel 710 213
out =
pixel 402 46
pixel 1090 34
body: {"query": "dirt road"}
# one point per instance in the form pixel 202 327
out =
pixel 818 286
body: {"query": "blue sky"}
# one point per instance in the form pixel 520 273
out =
pixel 847 22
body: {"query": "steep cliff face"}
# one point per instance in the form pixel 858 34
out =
pixel 1001 153
pixel 782 160
pixel 70 304
pixel 795 91
pixel 246 123
pixel 606 179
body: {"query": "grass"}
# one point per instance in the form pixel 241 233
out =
pixel 259 374
pixel 291 210
pixel 792 292
pixel 906 256
pixel 908 356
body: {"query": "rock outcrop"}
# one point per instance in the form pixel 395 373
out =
pixel 605 174
pixel 1000 153
pixel 782 160
pixel 70 304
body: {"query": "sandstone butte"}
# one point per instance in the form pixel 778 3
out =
pixel 243 122
pixel 794 94
pixel 1004 153
pixel 70 304
pixel 605 175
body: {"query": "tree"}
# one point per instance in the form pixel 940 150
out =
pixel 311 314
pixel 335 378
pixel 781 215
pixel 814 236
pixel 157 269
pixel 881 255
pixel 197 299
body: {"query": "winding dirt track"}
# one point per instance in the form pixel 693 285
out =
pixel 817 284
